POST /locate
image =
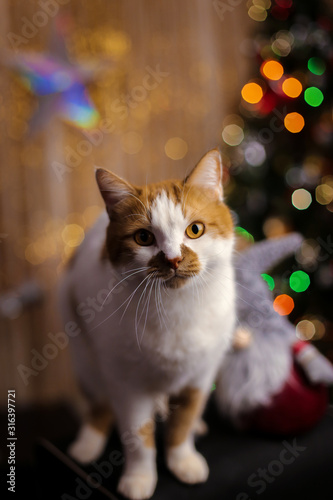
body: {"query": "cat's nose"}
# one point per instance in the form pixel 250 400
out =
pixel 174 263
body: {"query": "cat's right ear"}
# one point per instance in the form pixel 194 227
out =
pixel 113 188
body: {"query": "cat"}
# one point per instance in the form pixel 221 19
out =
pixel 156 272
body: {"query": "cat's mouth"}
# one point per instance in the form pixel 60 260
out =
pixel 173 279
pixel 178 276
pixel 176 280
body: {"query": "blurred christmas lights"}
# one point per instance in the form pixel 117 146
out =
pixel 292 87
pixel 255 153
pixel 283 304
pixel 313 96
pixel 252 93
pixel 233 134
pixel 301 199
pixel 176 148
pixel 257 13
pixel 269 280
pixel 294 74
pixel 72 235
pixel 272 70
pixel 305 329
pixel 244 233
pixel 317 66
pixel 294 122
pixel 299 281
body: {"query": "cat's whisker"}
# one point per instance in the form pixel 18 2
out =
pixel 136 269
pixel 128 298
pixel 165 288
pixel 203 283
pixel 131 297
pixel 137 308
pixel 195 286
pixel 146 300
pixel 160 284
pixel 119 282
pixel 158 303
pixel 147 310
pixel 114 312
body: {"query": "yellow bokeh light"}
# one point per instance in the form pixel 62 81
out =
pixel 324 194
pixel 272 70
pixel 294 122
pixel 252 93
pixel 233 134
pixel 292 87
pixel 274 226
pixel 257 13
pixel 305 329
pixel 32 256
pixel 72 235
pixel 176 148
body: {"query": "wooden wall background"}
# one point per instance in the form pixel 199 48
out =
pixel 43 217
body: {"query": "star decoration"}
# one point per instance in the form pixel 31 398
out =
pixel 59 84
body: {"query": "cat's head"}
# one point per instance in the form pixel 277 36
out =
pixel 174 229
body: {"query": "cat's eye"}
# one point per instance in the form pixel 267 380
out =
pixel 144 237
pixel 195 230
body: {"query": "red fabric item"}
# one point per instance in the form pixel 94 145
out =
pixel 296 408
pixel 299 346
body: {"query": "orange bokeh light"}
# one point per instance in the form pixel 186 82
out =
pixel 283 304
pixel 252 93
pixel 272 70
pixel 294 122
pixel 292 87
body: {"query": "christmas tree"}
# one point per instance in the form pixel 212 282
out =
pixel 279 148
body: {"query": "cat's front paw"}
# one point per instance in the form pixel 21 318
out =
pixel 190 468
pixel 88 445
pixel 137 486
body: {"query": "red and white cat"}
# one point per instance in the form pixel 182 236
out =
pixel 164 325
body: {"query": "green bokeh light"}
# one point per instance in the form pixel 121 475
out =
pixel 316 65
pixel 240 231
pixel 299 281
pixel 313 96
pixel 269 280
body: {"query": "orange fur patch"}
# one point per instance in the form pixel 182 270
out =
pixel 101 418
pixel 147 432
pixel 188 407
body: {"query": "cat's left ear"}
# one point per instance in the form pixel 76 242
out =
pixel 112 187
pixel 207 174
